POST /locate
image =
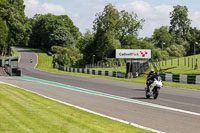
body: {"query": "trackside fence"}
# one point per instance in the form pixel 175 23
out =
pixel 179 78
pixel 94 72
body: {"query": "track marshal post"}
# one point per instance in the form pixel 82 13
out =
pixel 136 60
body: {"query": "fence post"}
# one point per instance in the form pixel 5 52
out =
pixel 192 62
pixel 188 61
pixel 196 65
pixel 178 61
pixel 171 61
pixel 185 61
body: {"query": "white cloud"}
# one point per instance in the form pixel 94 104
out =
pixel 52 8
pixel 155 16
pixel 34 6
pixel 32 2
pixel 195 17
pixel 83 17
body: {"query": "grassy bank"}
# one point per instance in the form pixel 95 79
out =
pixel 183 65
pixel 23 112
pixel 14 53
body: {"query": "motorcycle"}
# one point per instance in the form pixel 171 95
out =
pixel 154 88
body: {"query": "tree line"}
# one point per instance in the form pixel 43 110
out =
pixel 179 39
pixel 112 29
pixel 15 28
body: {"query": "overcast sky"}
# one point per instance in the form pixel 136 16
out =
pixel 82 12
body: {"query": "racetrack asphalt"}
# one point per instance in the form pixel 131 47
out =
pixel 161 119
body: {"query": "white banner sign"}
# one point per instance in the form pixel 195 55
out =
pixel 133 53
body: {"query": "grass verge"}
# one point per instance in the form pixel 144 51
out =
pixel 14 53
pixel 183 65
pixel 23 112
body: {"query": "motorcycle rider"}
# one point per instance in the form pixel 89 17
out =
pixel 150 78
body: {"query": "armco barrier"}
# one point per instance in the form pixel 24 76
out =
pixel 168 77
pixel 191 79
pixel 94 72
pixel 106 73
pixel 197 79
pixel 175 78
pixel 162 76
pixel 183 79
pixel 179 78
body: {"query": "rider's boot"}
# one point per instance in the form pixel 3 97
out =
pixel 148 90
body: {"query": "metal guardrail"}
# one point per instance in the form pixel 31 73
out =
pixel 181 78
pixel 95 72
pixel 11 66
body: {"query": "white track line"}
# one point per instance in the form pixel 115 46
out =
pixel 87 110
pixel 115 97
pixel 36 61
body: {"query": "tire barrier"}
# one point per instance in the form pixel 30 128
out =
pixel 94 72
pixel 181 78
pixel 10 66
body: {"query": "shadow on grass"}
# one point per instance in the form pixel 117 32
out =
pixel 163 70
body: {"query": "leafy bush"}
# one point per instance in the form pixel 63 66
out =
pixel 68 57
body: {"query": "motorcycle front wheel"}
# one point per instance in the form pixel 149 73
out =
pixel 155 93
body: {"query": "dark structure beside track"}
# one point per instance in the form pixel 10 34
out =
pixel 10 65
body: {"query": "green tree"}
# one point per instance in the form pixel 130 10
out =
pixel 165 55
pixel 176 50
pixel 86 39
pixel 85 45
pixel 62 37
pixel 162 38
pixel 105 42
pixel 106 20
pixel 180 23
pixel 156 53
pixel 69 57
pixel 105 27
pixel 134 43
pixel 111 28
pixel 128 25
pixel 194 41
pixel 69 25
pixel 49 30
pixel 131 42
pixel 3 37
pixel 12 12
